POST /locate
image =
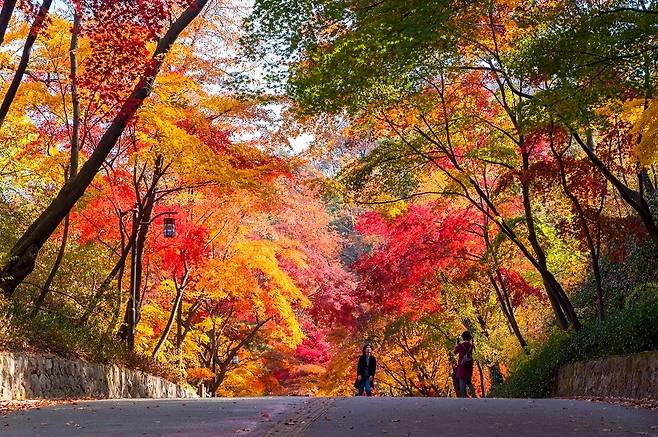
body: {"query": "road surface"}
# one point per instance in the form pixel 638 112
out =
pixel 324 417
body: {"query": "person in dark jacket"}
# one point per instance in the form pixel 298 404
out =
pixel 365 371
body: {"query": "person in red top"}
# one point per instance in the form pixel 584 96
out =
pixel 464 370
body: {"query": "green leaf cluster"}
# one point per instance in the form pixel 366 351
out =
pixel 584 57
pixel 349 53
pixel 390 168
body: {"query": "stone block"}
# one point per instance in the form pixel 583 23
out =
pixel 633 377
pixel 24 376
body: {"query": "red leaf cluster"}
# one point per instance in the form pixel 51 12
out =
pixel 402 272
pixel 519 288
pixel 120 32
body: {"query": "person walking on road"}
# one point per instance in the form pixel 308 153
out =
pixel 365 371
pixel 464 370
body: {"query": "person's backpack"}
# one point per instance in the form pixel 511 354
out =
pixel 467 359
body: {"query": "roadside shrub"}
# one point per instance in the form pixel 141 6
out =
pixel 621 280
pixel 630 330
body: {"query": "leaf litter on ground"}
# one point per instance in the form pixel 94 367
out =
pixel 9 407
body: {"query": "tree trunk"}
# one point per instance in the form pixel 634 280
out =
pixel 508 312
pixel 552 287
pixel 225 363
pixel 142 224
pixel 119 299
pixel 75 97
pixel 482 386
pixel 184 325
pixel 105 285
pixel 175 310
pixel 127 329
pixel 593 251
pixel 170 322
pixel 564 311
pixel 39 21
pixel 53 271
pixel 73 164
pixel 5 17
pixel 645 182
pixel 502 293
pixel 22 256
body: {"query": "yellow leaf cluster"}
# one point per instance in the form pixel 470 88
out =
pixel 645 127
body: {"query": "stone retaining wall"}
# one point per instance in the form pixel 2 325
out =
pixel 632 377
pixel 30 376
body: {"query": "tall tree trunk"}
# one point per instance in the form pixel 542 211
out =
pixel 5 17
pixel 582 219
pixel 119 300
pixel 55 268
pixel 142 224
pixel 482 386
pixel 127 330
pixel 502 293
pixel 39 21
pixel 75 97
pixel 646 183
pixel 170 322
pixel 561 304
pixel 508 312
pixel 551 285
pixel 73 164
pixel 22 256
pixel 105 285
pixel 175 310
pixel 184 325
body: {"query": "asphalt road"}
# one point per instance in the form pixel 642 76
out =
pixel 323 417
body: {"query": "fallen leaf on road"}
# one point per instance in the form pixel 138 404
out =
pixel 635 403
pixel 7 407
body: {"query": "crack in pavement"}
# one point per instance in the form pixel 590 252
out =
pixel 296 424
